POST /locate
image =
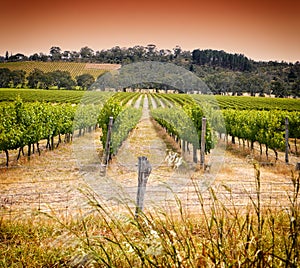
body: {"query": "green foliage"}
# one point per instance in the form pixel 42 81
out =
pixel 85 80
pixel 24 124
pixel 265 127
pixel 195 113
pixel 55 96
pixel 124 97
pixel 177 123
pixel 111 108
pixel 10 132
pixel 4 77
pixel 35 78
pixel 123 124
pixel 247 103
pixel 17 78
pixel 28 123
pixel 220 58
pixel 61 79
pixel 86 116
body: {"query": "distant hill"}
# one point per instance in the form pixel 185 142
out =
pixel 75 68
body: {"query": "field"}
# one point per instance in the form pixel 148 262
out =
pixel 58 211
pixel 74 68
pixel 52 96
pixel 248 103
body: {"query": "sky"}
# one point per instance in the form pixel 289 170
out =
pixel 262 30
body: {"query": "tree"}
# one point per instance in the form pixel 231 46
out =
pixel 34 57
pixel 209 57
pixel 220 83
pixel 177 51
pixel 295 89
pixel 4 77
pixel 55 53
pixel 44 57
pixel 66 55
pixel 46 81
pixel 86 53
pixel 62 79
pixel 35 78
pixel 196 56
pixel 18 57
pixel 17 77
pixel 278 88
pixel 151 52
pixel 74 56
pixel 85 80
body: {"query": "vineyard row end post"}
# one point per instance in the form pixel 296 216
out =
pixel 108 140
pixel 105 159
pixel 202 146
pixel 286 140
pixel 144 170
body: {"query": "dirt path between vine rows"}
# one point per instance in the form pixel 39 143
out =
pixel 56 179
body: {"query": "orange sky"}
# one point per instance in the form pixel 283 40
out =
pixel 259 29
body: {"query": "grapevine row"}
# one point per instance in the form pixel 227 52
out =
pixel 125 119
pixel 184 124
pixel 54 96
pixel 247 103
pixel 26 124
pixel 265 127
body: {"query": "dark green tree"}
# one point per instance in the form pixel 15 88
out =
pixel 34 57
pixel 85 80
pixel 46 81
pixel 55 53
pixel 278 88
pixel 62 79
pixel 35 78
pixel 17 78
pixel 86 53
pixel 295 89
pixel 4 77
pixel 18 57
pixel 74 56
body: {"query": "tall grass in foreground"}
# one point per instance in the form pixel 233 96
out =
pixel 217 236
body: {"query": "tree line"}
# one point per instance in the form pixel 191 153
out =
pixel 118 55
pixel 44 80
pixel 224 73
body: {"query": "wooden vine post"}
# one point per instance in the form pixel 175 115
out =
pixel 108 140
pixel 144 170
pixel 286 140
pixel 107 148
pixel 202 148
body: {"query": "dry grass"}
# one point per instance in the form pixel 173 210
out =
pixel 217 237
pixel 269 164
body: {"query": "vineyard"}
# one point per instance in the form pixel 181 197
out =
pixel 74 68
pixel 32 117
pixel 53 96
pixel 248 103
pixel 237 210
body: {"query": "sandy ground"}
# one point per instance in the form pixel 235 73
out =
pixel 57 180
